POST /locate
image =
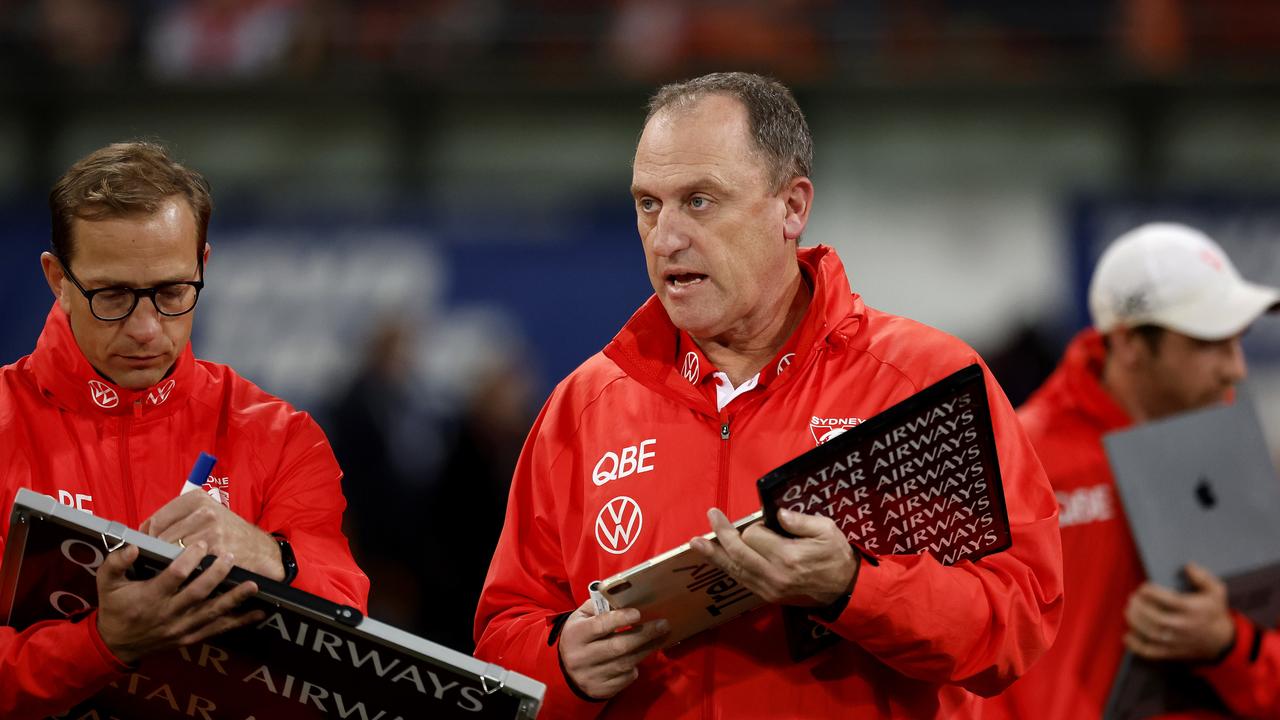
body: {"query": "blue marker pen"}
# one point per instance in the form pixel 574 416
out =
pixel 199 473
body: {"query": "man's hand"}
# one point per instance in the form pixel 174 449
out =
pixel 196 517
pixel 139 617
pixel 600 652
pixel 1169 625
pixel 815 568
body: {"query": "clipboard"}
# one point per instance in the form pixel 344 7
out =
pixel 683 587
pixel 310 658
pixel 922 475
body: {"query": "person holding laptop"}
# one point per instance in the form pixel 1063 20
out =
pixel 1168 310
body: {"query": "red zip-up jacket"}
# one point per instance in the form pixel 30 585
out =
pixel 67 432
pixel 628 455
pixel 1066 419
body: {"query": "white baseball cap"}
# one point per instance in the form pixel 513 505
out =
pixel 1177 278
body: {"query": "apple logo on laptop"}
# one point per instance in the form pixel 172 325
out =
pixel 1204 493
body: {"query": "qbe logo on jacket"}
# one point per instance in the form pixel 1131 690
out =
pixel 618 524
pixel 633 460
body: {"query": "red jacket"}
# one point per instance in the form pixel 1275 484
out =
pixel 1066 419
pixel 68 433
pixel 628 424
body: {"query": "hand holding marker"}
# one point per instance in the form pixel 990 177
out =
pixel 196 479
pixel 199 474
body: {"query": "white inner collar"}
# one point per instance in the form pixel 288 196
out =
pixel 726 392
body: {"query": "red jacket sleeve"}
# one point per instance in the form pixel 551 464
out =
pixel 977 624
pixel 305 505
pixel 527 587
pixel 1248 679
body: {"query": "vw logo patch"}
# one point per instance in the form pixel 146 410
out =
pixel 618 524
pixel 103 396
pixel 690 370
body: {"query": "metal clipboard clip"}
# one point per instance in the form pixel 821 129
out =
pixel 491 683
pixel 113 537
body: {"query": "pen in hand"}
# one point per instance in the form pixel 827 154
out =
pixel 199 473
pixel 598 598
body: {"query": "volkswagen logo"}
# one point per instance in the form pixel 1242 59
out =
pixel 784 363
pixel 103 396
pixel 618 525
pixel 160 394
pixel 690 370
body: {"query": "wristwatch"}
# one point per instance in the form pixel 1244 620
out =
pixel 287 559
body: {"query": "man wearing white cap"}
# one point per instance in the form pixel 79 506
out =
pixel 1168 309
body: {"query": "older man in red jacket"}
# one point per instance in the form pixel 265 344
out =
pixel 750 352
pixel 111 409
pixel 1168 312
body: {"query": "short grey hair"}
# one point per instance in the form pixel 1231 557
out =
pixel 774 119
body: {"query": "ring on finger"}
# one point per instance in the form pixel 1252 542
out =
pixel 182 544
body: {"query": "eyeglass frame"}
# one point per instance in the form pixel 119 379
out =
pixel 138 293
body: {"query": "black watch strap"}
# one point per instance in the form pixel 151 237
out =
pixel 287 559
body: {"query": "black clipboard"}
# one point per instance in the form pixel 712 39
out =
pixel 896 453
pixel 311 658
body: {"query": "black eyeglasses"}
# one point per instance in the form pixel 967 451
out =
pixel 117 303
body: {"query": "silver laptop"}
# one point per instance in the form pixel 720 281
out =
pixel 1197 487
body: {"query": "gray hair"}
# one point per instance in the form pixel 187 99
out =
pixel 776 123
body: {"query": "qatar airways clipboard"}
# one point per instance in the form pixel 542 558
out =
pixel 682 586
pixel 922 476
pixel 310 658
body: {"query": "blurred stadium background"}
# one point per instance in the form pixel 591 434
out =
pixel 423 218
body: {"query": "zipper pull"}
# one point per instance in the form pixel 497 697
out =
pixel 137 408
pixel 724 431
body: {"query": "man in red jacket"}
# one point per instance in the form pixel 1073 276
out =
pixel 110 411
pixel 750 353
pixel 1168 312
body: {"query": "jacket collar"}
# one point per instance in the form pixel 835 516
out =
pixel 652 350
pixel 1079 379
pixel 66 378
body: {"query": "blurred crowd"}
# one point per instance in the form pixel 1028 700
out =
pixel 426 480
pixel 558 40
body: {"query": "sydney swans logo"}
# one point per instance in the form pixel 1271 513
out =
pixel 103 396
pixel 618 525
